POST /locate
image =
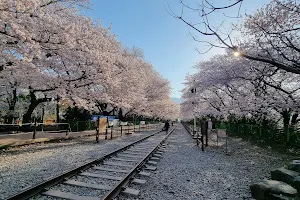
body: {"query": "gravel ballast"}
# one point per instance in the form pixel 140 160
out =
pixel 27 166
pixel 185 172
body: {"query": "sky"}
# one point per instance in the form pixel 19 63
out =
pixel 166 41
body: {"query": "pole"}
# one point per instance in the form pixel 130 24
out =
pixel 194 102
pixel 34 130
pixel 98 129
pixel 111 133
pixel 57 109
pixel 194 129
pixel 134 124
pixel 43 115
pixel 206 133
pixel 202 143
pixel 107 126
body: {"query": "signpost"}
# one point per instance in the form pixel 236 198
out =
pixel 101 123
pixel 98 129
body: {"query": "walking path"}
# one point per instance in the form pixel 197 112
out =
pixel 185 172
pixel 18 139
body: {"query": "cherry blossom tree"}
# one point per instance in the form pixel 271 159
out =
pixel 270 35
pixel 51 52
pixel 243 87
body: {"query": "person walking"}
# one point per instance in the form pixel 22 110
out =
pixel 167 126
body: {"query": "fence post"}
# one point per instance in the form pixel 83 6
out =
pixel 217 139
pixel 226 143
pixel 97 129
pixel 121 130
pixel 67 132
pixel 111 132
pixel 260 130
pixel 193 131
pixel 288 135
pixel 34 130
pixel 105 133
pixel 127 128
pixel 202 142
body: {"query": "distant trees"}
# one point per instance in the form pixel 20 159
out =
pixel 49 50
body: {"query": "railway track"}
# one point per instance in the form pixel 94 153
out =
pixel 106 177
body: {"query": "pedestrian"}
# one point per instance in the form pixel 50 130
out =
pixel 172 123
pixel 167 126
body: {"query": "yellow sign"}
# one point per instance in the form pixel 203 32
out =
pixel 103 124
pixel 49 121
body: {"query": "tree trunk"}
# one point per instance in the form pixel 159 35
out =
pixel 120 114
pixel 294 118
pixel 286 114
pixel 34 102
pixel 12 104
pixel 27 115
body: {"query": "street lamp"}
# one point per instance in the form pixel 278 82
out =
pixel 237 54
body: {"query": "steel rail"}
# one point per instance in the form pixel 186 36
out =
pixel 34 190
pixel 119 187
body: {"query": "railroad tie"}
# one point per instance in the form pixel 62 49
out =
pixel 122 159
pixel 154 158
pixel 150 168
pixel 129 156
pixel 116 178
pixel 110 169
pixel 152 163
pixel 131 191
pixel 138 181
pixel 134 153
pixel 144 173
pixel 117 164
pixel 67 195
pixel 87 185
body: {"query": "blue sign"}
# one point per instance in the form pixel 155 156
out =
pixel 94 118
pixel 111 118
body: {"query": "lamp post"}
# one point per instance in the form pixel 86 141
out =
pixel 193 90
